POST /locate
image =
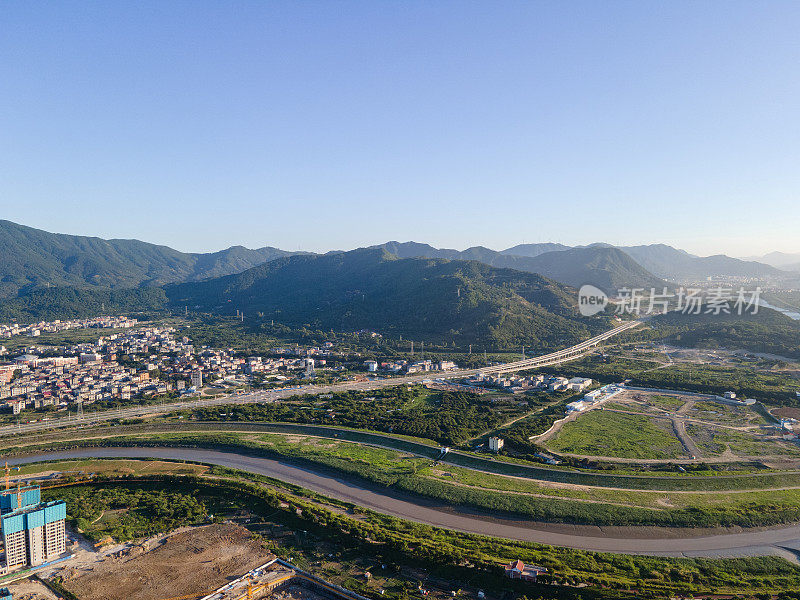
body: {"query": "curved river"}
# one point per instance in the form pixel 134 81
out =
pixel 782 541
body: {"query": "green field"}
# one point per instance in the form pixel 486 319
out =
pixel 606 433
pixel 668 403
pixel 716 412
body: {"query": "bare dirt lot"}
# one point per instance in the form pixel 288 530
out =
pixel 30 589
pixel 296 592
pixel 786 412
pixel 195 561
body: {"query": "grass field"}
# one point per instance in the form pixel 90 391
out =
pixel 605 433
pixel 716 412
pixel 714 441
pixel 113 468
pixel 668 403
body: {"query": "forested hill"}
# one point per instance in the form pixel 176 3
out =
pixel 32 259
pixel 50 304
pixel 768 331
pixel 436 299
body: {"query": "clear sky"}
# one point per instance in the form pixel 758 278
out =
pixel 333 124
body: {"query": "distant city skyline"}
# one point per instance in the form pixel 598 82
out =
pixel 320 126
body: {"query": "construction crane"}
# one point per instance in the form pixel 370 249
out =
pixel 252 589
pixel 8 485
pixel 8 475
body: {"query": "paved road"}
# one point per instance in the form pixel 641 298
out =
pixel 90 418
pixel 784 541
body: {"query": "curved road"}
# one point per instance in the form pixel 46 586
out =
pixel 783 541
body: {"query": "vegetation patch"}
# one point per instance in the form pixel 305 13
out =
pixel 606 433
pixel 128 512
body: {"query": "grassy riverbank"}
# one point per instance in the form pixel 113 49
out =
pixel 540 500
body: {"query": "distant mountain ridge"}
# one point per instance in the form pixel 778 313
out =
pixel 780 260
pixel 534 250
pixel 606 267
pixel 602 264
pixel 679 265
pixel 32 258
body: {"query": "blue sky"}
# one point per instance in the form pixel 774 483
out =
pixel 321 125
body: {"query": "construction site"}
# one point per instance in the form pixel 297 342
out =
pixel 211 562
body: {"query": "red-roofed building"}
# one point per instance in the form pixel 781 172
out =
pixel 519 570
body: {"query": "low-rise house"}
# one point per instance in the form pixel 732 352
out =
pixel 519 570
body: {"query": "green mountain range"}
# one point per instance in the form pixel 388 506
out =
pixel 503 299
pixel 32 259
pixel 437 299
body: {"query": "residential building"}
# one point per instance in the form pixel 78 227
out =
pixel 496 444
pixel 197 379
pixel 519 570
pixel 33 532
pixel 578 384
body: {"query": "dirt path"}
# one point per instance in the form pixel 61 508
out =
pixel 691 448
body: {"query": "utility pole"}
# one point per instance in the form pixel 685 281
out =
pixel 470 349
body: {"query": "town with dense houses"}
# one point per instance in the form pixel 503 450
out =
pixel 147 361
pixel 9 330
